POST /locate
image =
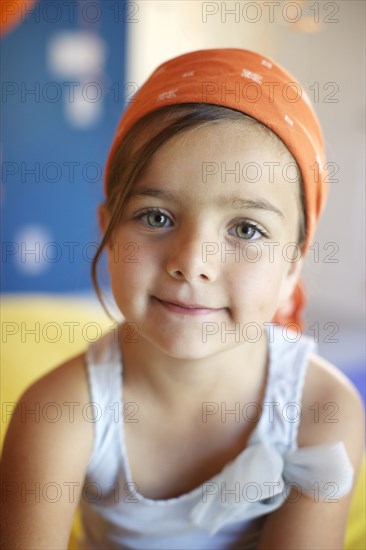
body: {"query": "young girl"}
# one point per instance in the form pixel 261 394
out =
pixel 205 419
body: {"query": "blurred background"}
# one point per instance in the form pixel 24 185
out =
pixel 68 71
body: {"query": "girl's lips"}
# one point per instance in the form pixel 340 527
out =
pixel 183 310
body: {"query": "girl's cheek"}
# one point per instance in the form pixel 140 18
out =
pixel 254 261
pixel 127 250
pixel 254 282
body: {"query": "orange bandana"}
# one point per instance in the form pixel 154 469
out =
pixel 248 82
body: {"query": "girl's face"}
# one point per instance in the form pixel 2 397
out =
pixel 199 244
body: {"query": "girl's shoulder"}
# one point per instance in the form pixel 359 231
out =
pixel 64 392
pixel 332 409
pixel 68 378
pixel 48 442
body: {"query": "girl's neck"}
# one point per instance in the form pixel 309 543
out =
pixel 238 373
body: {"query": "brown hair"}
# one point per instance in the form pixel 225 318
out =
pixel 159 126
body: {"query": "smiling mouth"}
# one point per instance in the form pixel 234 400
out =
pixel 186 310
pixel 185 306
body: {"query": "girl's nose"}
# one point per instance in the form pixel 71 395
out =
pixel 188 258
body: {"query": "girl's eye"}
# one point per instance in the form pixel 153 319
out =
pixel 248 230
pixel 156 218
pixel 153 215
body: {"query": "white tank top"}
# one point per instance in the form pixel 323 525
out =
pixel 227 511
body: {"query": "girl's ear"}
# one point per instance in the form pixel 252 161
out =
pixel 103 218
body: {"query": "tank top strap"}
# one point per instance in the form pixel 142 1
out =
pixel 104 373
pixel 282 405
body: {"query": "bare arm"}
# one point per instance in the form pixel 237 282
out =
pixel 44 461
pixel 305 523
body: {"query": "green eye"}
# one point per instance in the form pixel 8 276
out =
pixel 248 231
pixel 152 215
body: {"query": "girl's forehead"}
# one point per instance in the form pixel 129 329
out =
pixel 244 130
pixel 231 142
pixel 208 163
pixel 215 184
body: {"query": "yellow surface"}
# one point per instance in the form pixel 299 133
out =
pixel 26 356
pixel 38 333
pixel 355 534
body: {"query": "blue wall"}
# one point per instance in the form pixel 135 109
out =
pixel 52 170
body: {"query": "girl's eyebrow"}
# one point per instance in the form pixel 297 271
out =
pixel 234 202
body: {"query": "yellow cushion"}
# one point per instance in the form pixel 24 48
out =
pixel 76 532
pixel 355 534
pixel 27 355
pixel 39 332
